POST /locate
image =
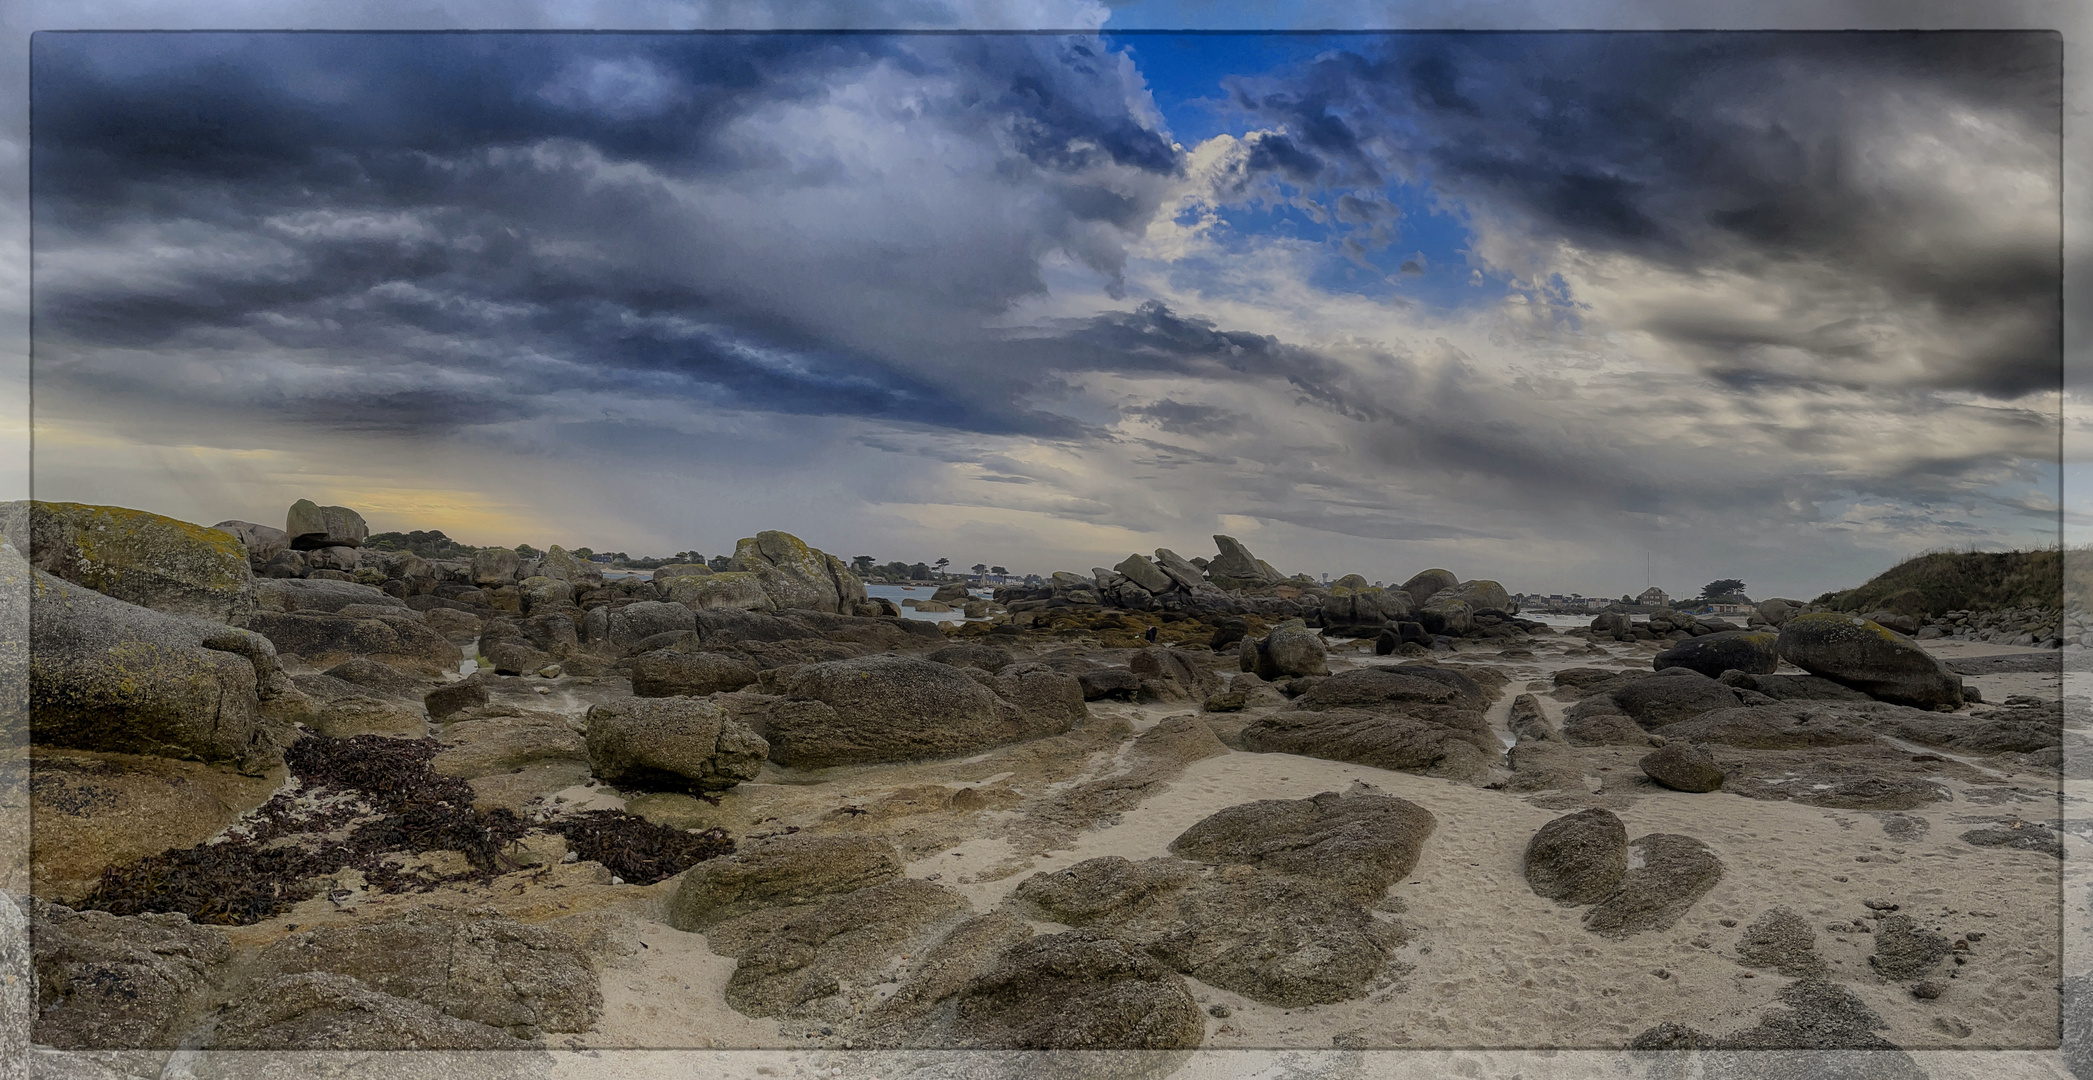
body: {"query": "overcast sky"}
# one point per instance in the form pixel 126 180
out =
pixel 1547 308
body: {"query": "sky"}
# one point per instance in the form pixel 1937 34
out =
pixel 1571 311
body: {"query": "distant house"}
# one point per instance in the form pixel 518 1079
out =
pixel 1728 609
pixel 1653 597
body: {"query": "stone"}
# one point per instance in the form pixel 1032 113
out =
pixel 341 709
pixel 497 745
pixel 1187 577
pixel 1371 688
pixel 1792 687
pixel 1171 675
pixel 1146 574
pixel 320 1010
pixel 1357 844
pixel 892 708
pixel 1869 658
pixel 136 557
pixel 1672 695
pixel 1236 568
pixel 621 629
pixel 782 871
pixel 824 960
pixel 509 657
pixel 668 673
pixel 1770 727
pixel 1579 858
pixel 401 640
pixel 107 675
pixel 340 558
pixel 945 969
pixel 1436 740
pixel 989 658
pixel 1775 612
pixel 736 591
pixel 1430 583
pixel 1446 613
pixel 679 743
pixel 674 570
pixel 262 542
pixel 1046 700
pixel 285 564
pixel 495 566
pixel 1082 990
pixel 560 564
pixel 108 982
pixel 372 675
pixel 1783 941
pixel 311 526
pixel 508 975
pixel 1904 950
pixel 1291 649
pixel 1115 682
pixel 1682 766
pixel 452 698
pixel 1674 872
pixel 17 990
pixel 1714 654
pixel 794 575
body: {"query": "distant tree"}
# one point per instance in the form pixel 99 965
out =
pixel 981 568
pixel 941 564
pixel 1033 579
pixel 582 553
pixel 1721 587
pixel 719 564
pixel 1626 599
pixel 919 572
pixel 998 571
pixel 862 564
pixel 527 551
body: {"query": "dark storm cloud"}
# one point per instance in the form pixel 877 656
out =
pixel 518 208
pixel 1705 152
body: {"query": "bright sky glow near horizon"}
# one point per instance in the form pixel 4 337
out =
pixel 1571 311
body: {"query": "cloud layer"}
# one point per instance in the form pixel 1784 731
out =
pixel 1768 306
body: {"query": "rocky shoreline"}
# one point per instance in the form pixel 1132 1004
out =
pixel 1171 805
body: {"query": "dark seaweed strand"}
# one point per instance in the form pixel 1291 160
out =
pixel 638 850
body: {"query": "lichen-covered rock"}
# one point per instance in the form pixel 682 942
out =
pixel 1373 688
pixel 1870 658
pixel 563 565
pixel 135 556
pixel 1578 858
pixel 734 590
pixel 989 658
pixel 493 970
pixel 1236 568
pixel 1429 583
pixel 1291 649
pixel 1729 650
pixel 455 697
pixel 1682 766
pixel 320 1010
pixel 1670 696
pixel 1436 740
pixel 892 708
pixel 1045 698
pixel 495 566
pixel 1082 990
pixel 1673 873
pixel 314 594
pixel 402 640
pixel 680 742
pixel 1358 844
pixel 107 675
pixel 782 871
pixel 671 672
pixel 794 575
pixel 1139 570
pixel 107 982
pixel 824 960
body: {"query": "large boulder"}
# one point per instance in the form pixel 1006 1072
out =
pixel 1730 650
pixel 495 566
pixel 733 591
pixel 1428 584
pixel 1375 688
pixel 137 557
pixel 1047 699
pixel 1358 844
pixel 684 743
pixel 1291 649
pixel 473 965
pixel 1446 613
pixel 1236 568
pixel 563 565
pixel 794 575
pixel 311 526
pixel 107 675
pixel 893 708
pixel 316 594
pixel 402 640
pixel 1081 990
pixel 1436 740
pixel 1139 570
pixel 1870 658
pixel 319 1010
pixel 671 673
pixel 1682 767
pixel 1670 696
pixel 619 629
pixel 1363 609
pixel 827 960
pixel 1578 858
pixel 1776 612
pixel 783 871
pixel 1180 570
pixel 262 542
pixel 107 982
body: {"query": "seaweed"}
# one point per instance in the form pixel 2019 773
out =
pixel 636 849
pixel 360 803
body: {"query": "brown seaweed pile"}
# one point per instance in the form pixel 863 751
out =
pixel 636 849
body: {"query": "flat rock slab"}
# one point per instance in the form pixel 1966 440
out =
pixel 108 982
pixel 1666 874
pixel 1436 740
pixel 323 1011
pixel 2049 663
pixel 1357 844
pixel 1082 990
pixel 823 961
pixel 780 872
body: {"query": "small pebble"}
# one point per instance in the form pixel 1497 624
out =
pixel 1727 921
pixel 1218 1012
pixel 1841 877
pixel 1928 989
